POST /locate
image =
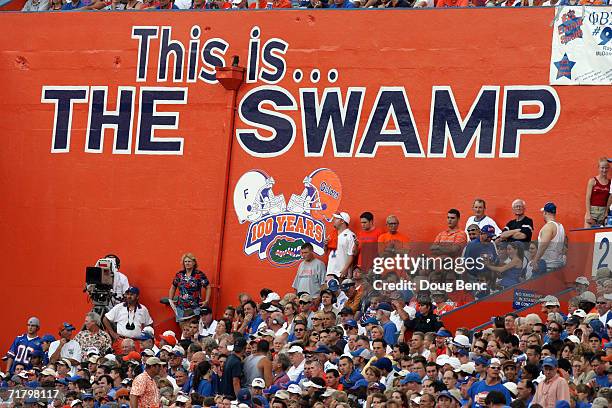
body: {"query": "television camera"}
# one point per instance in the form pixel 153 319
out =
pixel 99 285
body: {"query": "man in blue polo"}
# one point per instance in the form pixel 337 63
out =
pixel 479 390
pixel 350 376
pixel 383 315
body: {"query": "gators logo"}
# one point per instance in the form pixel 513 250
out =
pixel 278 228
pixel 285 250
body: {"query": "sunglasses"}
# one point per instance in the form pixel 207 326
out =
pixel 298 330
pixel 479 348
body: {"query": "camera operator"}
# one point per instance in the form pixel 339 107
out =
pixel 130 317
pixel 120 282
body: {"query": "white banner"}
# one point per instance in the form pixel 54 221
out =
pixel 582 46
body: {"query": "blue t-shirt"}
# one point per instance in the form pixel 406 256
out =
pixel 21 349
pixel 70 6
pixel 205 388
pixel 390 334
pixel 352 380
pixel 346 4
pixel 480 389
pixel 602 380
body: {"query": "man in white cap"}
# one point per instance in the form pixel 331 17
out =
pixel 144 392
pixel 23 346
pixel 341 258
pixel 550 304
pixel 296 356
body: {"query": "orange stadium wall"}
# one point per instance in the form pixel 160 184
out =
pixel 64 204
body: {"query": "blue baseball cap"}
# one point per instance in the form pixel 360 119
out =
pixel 30 401
pixel 482 361
pixel 144 336
pixel 370 320
pixel 549 361
pixel 549 207
pixel 384 364
pixel 133 290
pixel 73 378
pixel 322 349
pixel 411 377
pixel 87 396
pixel 444 333
pixel 360 383
pixel 385 306
pixel 272 389
pixel 37 353
pixel 608 345
pixel 350 323
pixel 333 285
pixel 489 230
pixel 48 338
pixel 67 326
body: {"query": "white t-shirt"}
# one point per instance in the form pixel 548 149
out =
pixel 120 315
pixel 183 4
pixel 294 372
pixel 71 350
pixel 120 285
pixel 485 221
pixel 339 256
pixel 211 329
pixel 395 317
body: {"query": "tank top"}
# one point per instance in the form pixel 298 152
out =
pixel 553 256
pixel 600 194
pixel 250 368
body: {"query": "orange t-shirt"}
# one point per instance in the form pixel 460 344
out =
pixel 397 240
pixel 281 4
pixel 368 247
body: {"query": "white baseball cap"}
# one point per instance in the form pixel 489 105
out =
pixel 575 339
pixel 295 349
pixel 344 216
pixel 295 389
pixel 258 383
pixel 461 341
pixel 271 296
pixel 311 384
pixel 512 387
pixel 182 398
pixel 580 313
pixel 582 280
pixel 454 362
pixel 76 402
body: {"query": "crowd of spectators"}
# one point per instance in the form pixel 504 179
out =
pixel 335 339
pixel 59 5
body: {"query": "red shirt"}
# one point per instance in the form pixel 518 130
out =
pixel 452 3
pixel 368 247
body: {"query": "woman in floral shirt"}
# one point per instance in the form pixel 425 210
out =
pixel 190 281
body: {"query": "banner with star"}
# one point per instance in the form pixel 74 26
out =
pixel 582 46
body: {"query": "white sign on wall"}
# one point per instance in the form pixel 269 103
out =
pixel 602 252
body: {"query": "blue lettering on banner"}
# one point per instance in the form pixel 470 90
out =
pixel 64 97
pixel 266 112
pixel 281 126
pixel 516 123
pixel 480 123
pixel 524 298
pixel 391 102
pixel 330 116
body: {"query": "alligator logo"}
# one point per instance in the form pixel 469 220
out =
pixel 285 250
pixel 278 228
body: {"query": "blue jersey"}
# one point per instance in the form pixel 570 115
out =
pixel 21 349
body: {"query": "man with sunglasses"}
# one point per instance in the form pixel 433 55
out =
pixel 603 309
pixel 130 317
pixel 479 390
